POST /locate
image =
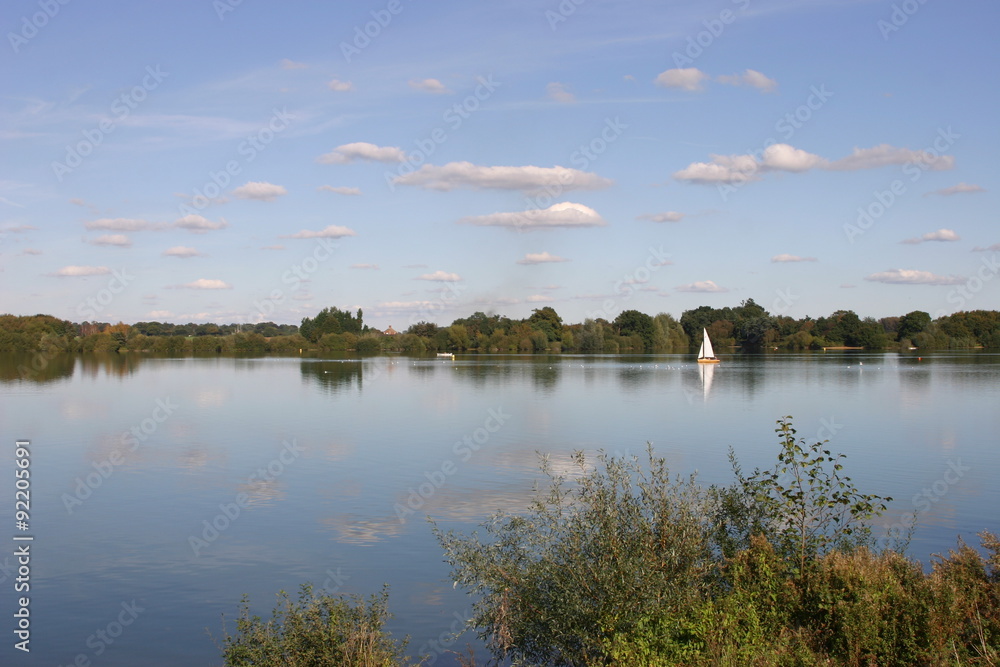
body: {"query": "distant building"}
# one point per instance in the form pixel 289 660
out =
pixel 390 331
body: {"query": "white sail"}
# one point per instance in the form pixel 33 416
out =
pixel 706 351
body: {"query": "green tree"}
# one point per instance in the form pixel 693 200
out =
pixel 592 337
pixel 808 506
pixel 547 321
pixel 633 322
pixel 912 323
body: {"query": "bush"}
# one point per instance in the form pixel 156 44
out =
pixel 315 631
pixel 622 548
pixel 619 563
pixel 369 344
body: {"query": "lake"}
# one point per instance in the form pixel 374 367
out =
pixel 164 489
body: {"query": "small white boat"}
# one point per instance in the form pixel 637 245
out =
pixel 446 355
pixel 706 355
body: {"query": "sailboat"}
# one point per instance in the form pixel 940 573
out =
pixel 706 355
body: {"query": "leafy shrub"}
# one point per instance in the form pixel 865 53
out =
pixel 315 631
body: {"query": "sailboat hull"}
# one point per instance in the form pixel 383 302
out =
pixel 708 361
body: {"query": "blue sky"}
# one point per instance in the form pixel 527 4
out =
pixel 248 161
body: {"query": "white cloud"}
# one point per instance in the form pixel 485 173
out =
pixel 362 150
pixel 540 258
pixel 564 214
pixel 993 248
pixel 81 271
pixel 118 240
pixel 527 178
pixel 884 155
pixel 120 224
pixel 373 267
pixel 689 78
pixel 705 286
pixel 159 314
pixel 338 86
pixel 340 190
pixel 31 251
pixel 259 191
pixel 181 251
pixel 539 298
pixel 722 169
pixel 291 64
pixel 939 235
pixel 207 283
pixel 440 276
pixel 429 86
pixel 961 188
pixel 913 277
pixel 791 258
pixel 560 92
pixel 783 157
pixel 669 216
pixel 331 232
pixel 199 224
pixel 751 78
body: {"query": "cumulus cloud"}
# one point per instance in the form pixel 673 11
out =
pixel 751 78
pixel 339 189
pixel 564 214
pixel 688 78
pixel 705 286
pixel 961 188
pixel 118 240
pixel 440 276
pixel 939 235
pixel 786 158
pixel 207 283
pixel 527 178
pixel 540 258
pixel 181 251
pixel 199 224
pixel 331 232
pixel 784 257
pixel 81 271
pixel 539 298
pixel 560 93
pixel 669 216
pixel 429 86
pixel 362 150
pixel 913 277
pixel 782 157
pixel 119 224
pixel 338 86
pixel 291 64
pixel 259 191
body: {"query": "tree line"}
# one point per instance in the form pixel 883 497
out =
pixel 748 327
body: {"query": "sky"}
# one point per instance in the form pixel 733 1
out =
pixel 247 161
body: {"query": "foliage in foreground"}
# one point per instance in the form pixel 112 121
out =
pixel 625 564
pixel 619 562
pixel 315 631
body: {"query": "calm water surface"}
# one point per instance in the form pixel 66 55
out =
pixel 132 456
